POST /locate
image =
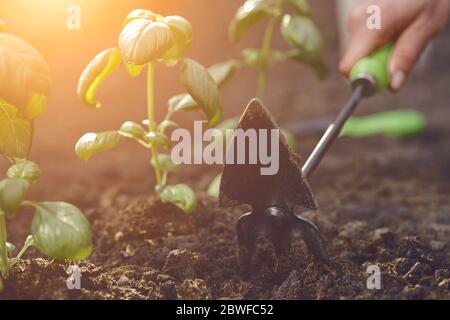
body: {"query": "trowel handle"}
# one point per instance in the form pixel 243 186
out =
pixel 369 76
pixel 373 71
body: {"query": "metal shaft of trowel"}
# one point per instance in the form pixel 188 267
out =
pixel 333 131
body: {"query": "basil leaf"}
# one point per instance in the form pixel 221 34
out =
pixel 302 6
pixel 301 33
pixel 165 162
pixel 132 130
pixel 24 169
pixel 182 36
pixel 61 231
pixel 248 15
pixel 182 102
pixel 181 196
pixel 141 14
pixel 134 70
pixel 158 139
pixel 10 248
pixel 93 143
pixel 12 194
pixel 95 73
pixel 202 88
pixel 222 72
pixel 16 133
pixel 253 57
pixel 315 63
pixel 143 41
pixel 166 124
pixel 24 74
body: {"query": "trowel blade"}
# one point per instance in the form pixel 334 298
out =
pixel 244 183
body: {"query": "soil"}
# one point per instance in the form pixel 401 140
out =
pixel 383 202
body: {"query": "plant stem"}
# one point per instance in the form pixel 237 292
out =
pixel 151 118
pixel 265 54
pixel 28 243
pixel 3 250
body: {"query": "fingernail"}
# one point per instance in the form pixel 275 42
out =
pixel 398 79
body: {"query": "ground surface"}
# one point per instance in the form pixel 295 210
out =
pixel 382 201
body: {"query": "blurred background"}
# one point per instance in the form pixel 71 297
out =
pixel 293 88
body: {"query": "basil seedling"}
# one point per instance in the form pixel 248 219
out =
pixel 297 28
pixel 146 39
pixel 293 17
pixel 59 230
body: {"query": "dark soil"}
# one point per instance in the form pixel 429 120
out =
pixel 383 206
pixel 382 201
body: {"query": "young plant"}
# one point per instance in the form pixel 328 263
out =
pixel 146 39
pixel 59 230
pixel 293 18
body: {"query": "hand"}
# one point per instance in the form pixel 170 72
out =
pixel 411 23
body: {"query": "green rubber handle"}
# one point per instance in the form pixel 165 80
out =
pixel 375 67
pixel 392 124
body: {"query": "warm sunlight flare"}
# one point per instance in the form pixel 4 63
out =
pixel 244 151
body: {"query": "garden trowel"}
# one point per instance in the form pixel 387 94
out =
pixel 277 200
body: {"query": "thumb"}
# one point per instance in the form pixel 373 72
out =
pixel 409 46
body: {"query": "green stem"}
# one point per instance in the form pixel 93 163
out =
pixel 28 243
pixel 265 54
pixel 151 118
pixel 3 250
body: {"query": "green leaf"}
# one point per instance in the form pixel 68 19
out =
pixel 93 143
pixel 10 248
pixel 182 102
pixel 222 72
pixel 16 133
pixel 253 58
pixel 182 36
pixel 158 139
pixel 35 106
pixel 165 162
pixel 397 124
pixel 61 231
pixel 181 196
pixel 95 73
pixel 248 15
pixel 24 169
pixel 302 6
pixel 143 41
pixel 24 74
pixel 12 194
pixel 132 129
pixel 202 88
pixel 134 70
pixel 316 64
pixel 301 33
pixel 214 187
pixel 141 14
pixel 166 124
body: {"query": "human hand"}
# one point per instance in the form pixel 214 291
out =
pixel 411 23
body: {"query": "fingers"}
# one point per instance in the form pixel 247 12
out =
pixel 410 45
pixel 363 44
pixel 365 41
